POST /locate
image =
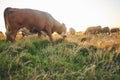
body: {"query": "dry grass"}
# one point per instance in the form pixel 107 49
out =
pixel 106 42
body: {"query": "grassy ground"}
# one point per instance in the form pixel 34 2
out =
pixel 36 59
pixel 104 41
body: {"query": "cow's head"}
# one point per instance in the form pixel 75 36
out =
pixel 63 30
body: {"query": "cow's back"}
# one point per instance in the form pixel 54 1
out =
pixel 28 17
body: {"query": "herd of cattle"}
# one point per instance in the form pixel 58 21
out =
pixel 99 29
pixel 34 21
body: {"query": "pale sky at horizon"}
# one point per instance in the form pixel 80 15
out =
pixel 78 14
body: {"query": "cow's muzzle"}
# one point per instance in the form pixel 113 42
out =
pixel 64 35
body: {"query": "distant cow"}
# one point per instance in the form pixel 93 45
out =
pixel 114 30
pixel 72 31
pixel 105 30
pixel 34 20
pixel 93 30
pixel 25 32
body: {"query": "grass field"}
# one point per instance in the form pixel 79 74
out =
pixel 96 58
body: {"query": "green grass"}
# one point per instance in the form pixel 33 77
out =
pixel 37 59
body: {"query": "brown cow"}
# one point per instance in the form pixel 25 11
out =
pixel 105 30
pixel 115 30
pixel 34 20
pixel 72 31
pixel 93 30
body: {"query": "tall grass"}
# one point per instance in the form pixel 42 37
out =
pixel 37 59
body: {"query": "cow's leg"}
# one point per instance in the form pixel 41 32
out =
pixel 49 33
pixel 39 34
pixel 13 32
pixel 51 39
pixel 10 35
pixel 13 35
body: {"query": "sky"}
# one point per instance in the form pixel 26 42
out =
pixel 78 14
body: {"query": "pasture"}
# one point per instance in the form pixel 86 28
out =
pixel 78 57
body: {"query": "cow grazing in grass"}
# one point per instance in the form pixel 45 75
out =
pixel 105 30
pixel 93 30
pixel 34 20
pixel 72 31
pixel 115 30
